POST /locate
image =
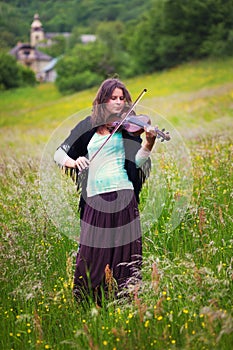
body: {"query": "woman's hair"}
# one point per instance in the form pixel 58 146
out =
pixel 103 95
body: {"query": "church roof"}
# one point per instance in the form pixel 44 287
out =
pixel 40 56
pixel 50 65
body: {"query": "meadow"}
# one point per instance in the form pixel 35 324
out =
pixel 186 297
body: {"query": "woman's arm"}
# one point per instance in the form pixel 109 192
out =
pixel 61 158
pixel 144 152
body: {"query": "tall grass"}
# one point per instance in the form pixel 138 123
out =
pixel 185 300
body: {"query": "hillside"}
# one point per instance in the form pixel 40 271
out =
pixel 191 97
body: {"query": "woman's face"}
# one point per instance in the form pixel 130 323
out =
pixel 116 102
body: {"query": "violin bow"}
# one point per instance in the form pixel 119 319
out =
pixel 120 123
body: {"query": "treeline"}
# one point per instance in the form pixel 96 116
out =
pixel 133 38
pixel 62 16
pixel 169 33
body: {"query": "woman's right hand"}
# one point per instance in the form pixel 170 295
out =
pixel 81 163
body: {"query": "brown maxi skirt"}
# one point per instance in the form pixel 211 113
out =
pixel 110 245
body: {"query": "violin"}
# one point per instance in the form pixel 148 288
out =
pixel 142 122
pixel 137 124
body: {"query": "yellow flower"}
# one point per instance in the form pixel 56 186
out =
pixel 146 323
pixel 159 318
pixel 105 342
pixel 185 311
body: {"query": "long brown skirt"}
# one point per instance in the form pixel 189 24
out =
pixel 110 252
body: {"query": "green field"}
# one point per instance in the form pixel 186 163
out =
pixel 185 301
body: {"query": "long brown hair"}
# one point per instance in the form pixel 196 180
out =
pixel 102 97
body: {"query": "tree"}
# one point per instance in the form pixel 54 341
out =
pixel 13 74
pixel 9 72
pixel 176 31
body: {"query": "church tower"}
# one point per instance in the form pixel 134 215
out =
pixel 37 31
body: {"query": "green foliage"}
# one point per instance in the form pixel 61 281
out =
pixel 86 65
pixel 13 74
pixel 57 48
pixel 135 37
pixel 9 72
pixel 78 82
pixel 176 31
pixel 81 69
pixel 27 76
pixel 13 27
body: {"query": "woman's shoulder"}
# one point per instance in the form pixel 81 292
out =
pixel 84 124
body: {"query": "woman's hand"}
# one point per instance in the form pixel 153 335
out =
pixel 81 163
pixel 150 139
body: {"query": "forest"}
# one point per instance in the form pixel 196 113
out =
pixel 133 37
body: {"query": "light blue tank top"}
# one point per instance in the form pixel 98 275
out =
pixel 106 171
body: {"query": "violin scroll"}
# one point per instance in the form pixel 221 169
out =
pixel 160 133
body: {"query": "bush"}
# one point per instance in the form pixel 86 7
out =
pixel 27 76
pixel 9 72
pixel 81 81
pixel 13 74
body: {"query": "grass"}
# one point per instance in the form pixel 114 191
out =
pixel 185 301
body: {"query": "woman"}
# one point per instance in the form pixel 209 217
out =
pixel 110 252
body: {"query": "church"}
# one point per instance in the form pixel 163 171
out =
pixel 28 54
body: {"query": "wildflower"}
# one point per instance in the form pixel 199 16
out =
pixel 185 311
pixel 105 342
pixel 159 318
pixel 146 323
pixel 173 341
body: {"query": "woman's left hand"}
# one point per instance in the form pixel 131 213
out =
pixel 150 140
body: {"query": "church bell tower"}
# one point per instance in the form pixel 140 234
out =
pixel 37 31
